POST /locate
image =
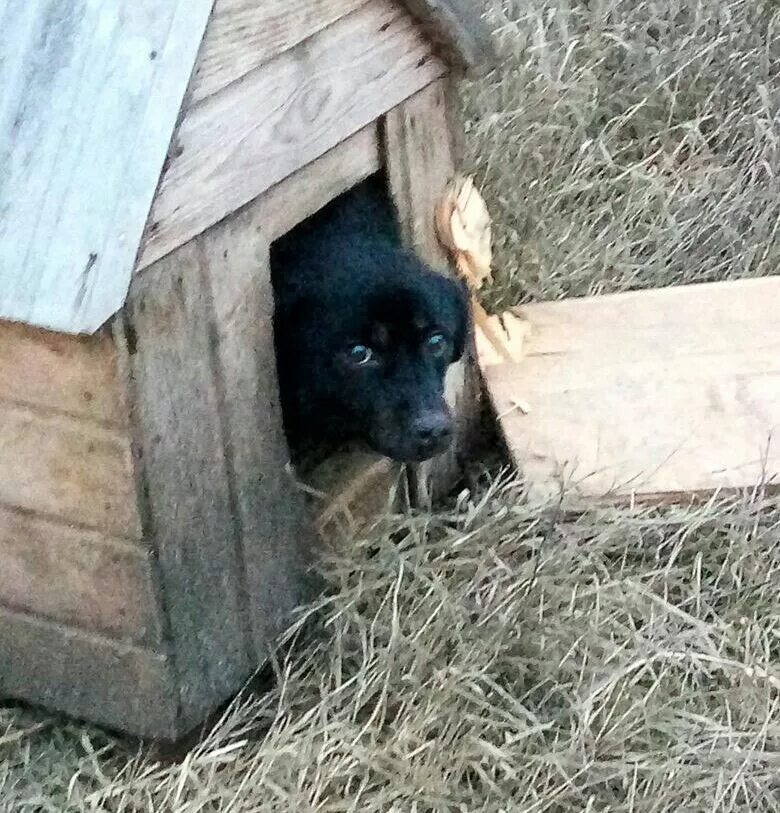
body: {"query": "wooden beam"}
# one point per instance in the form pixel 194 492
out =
pixel 275 534
pixel 419 149
pixel 87 676
pixel 458 29
pixel 648 395
pixel 78 577
pixel 253 134
pixel 170 345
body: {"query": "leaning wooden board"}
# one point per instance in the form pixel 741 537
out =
pixel 650 394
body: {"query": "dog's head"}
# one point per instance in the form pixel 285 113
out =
pixel 381 342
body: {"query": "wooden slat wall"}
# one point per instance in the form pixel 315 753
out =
pixel 90 97
pixel 238 143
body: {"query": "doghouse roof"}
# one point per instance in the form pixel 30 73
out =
pixel 91 93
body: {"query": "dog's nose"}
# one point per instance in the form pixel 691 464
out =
pixel 433 428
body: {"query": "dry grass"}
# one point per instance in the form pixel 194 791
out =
pixel 495 658
pixel 630 144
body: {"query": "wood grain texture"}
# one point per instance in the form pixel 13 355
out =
pixel 240 142
pixel 650 394
pixel 306 191
pixel 75 576
pixel 75 375
pixel 243 34
pixel 457 28
pixel 87 676
pixel 90 97
pixel 420 164
pixel 69 469
pixel 274 528
pixel 170 344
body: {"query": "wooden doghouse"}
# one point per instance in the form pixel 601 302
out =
pixel 151 542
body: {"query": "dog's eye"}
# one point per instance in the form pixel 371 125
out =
pixel 436 344
pixel 359 354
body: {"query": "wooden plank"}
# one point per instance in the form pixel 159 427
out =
pixel 275 533
pixel 306 191
pixel 90 97
pixel 86 676
pixel 240 142
pixel 420 164
pixel 79 577
pixel 458 29
pixel 170 346
pixel 648 394
pixel 69 469
pixel 75 375
pixel 243 34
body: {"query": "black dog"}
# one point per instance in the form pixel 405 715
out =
pixel 364 333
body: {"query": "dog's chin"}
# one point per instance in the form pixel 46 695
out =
pixel 410 452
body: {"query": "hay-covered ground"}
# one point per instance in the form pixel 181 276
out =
pixel 494 658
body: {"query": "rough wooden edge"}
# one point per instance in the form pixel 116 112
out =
pixel 169 346
pixel 421 153
pixel 458 29
pixel 86 676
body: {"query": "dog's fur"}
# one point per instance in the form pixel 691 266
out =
pixel 345 289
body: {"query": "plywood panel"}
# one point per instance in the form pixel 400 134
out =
pixel 86 676
pixel 171 352
pixel 69 469
pixel 243 140
pixel 243 34
pixel 76 576
pixel 90 97
pixel 76 375
pixel 651 393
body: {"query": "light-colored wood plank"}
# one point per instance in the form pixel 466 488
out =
pixel 274 528
pixel 69 469
pixel 243 140
pixel 87 676
pixel 243 34
pixel 648 394
pixel 457 28
pixel 420 159
pixel 306 191
pixel 75 576
pixel 90 97
pixel 180 435
pixel 75 375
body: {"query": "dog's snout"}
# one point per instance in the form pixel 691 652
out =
pixel 433 428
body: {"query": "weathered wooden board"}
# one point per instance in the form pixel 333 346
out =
pixel 75 375
pixel 275 535
pixel 78 577
pixel 306 191
pixel 90 97
pixel 171 345
pixel 420 160
pixel 87 676
pixel 243 34
pixel 241 141
pixel 649 394
pixel 69 469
